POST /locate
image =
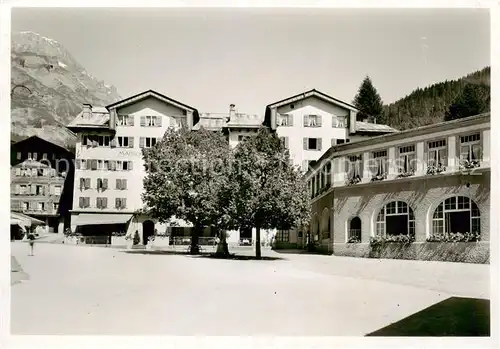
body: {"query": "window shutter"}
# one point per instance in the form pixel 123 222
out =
pixel 158 121
pixel 290 119
pixel 320 145
pixel 124 203
pixel 118 183
pixel 77 164
pixel 141 142
pixel 130 120
pixel 18 189
pixel 334 142
pixel 117 203
pixel 94 164
pixel 130 166
pixel 87 183
pixel 104 202
pixel 82 183
pixel 143 121
pixel 334 121
pixel 319 120
pixel 105 183
pixel 286 143
pixel 98 202
pixel 80 202
pixel 33 189
pixel 87 199
pixel 306 120
pixel 306 140
pixel 124 184
pixel 131 142
pixel 52 190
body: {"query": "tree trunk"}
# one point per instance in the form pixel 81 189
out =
pixel 222 248
pixel 195 248
pixel 257 242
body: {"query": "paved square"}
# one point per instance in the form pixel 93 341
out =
pixel 90 290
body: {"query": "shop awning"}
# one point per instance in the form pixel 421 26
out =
pixel 17 218
pixel 97 219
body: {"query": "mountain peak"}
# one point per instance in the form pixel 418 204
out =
pixel 58 85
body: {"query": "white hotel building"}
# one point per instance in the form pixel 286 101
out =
pixel 109 168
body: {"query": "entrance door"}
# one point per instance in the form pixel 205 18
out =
pixel 148 229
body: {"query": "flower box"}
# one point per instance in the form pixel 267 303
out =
pixel 406 174
pixel 469 164
pixel 433 170
pixel 454 237
pixel 353 180
pixel 379 177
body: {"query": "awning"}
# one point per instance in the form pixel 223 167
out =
pixel 17 218
pixel 99 218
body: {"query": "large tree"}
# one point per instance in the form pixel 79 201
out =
pixel 474 99
pixel 368 101
pixel 187 177
pixel 268 192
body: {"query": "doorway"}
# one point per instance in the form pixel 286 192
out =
pixel 148 229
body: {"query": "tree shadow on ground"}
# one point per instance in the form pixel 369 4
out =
pixel 236 257
pixel 157 252
pixel 209 255
pixel 455 316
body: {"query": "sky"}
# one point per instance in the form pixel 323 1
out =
pixel 210 58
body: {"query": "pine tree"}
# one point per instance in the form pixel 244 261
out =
pixel 474 99
pixel 368 101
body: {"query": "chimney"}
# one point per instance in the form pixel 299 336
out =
pixel 87 111
pixel 232 111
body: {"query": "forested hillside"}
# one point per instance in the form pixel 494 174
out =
pixel 428 105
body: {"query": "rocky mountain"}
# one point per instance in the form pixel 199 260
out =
pixel 426 106
pixel 49 87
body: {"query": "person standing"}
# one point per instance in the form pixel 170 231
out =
pixel 31 240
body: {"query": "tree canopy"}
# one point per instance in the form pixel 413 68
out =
pixel 187 177
pixel 474 99
pixel 268 192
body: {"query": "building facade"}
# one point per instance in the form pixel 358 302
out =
pixel 311 122
pixel 109 166
pixel 42 181
pixel 429 184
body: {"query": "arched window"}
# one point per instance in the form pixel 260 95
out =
pixel 354 230
pixel 396 218
pixel 457 214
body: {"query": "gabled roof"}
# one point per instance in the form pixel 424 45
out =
pixel 371 127
pixel 312 93
pixel 148 94
pixel 99 118
pixel 42 139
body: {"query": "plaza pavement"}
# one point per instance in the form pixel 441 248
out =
pixel 78 290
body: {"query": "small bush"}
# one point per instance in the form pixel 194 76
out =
pixel 401 238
